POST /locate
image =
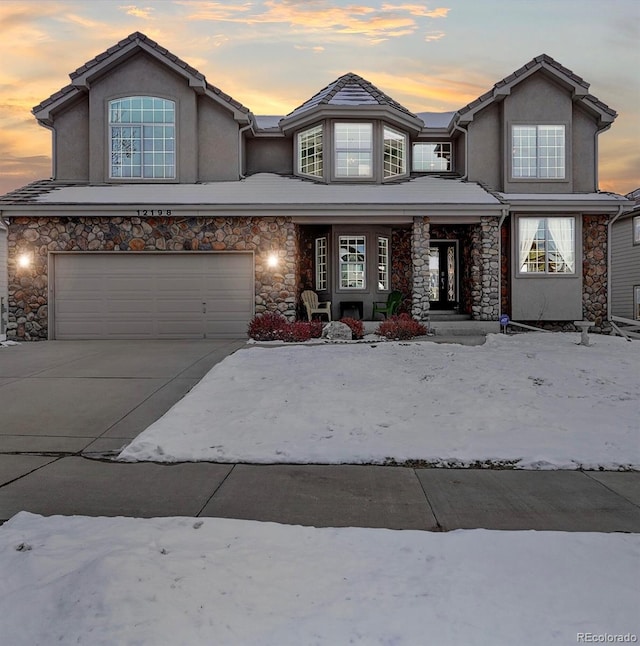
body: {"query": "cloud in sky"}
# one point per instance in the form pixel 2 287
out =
pixel 272 55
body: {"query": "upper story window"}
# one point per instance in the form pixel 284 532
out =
pixel 310 160
pixel 636 229
pixel 538 152
pixel 395 153
pixel 142 138
pixel 429 156
pixel 353 143
pixel 547 245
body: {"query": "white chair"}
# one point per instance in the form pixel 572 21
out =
pixel 313 306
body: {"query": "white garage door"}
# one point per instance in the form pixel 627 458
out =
pixel 152 295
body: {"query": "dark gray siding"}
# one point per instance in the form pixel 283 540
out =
pixel 625 268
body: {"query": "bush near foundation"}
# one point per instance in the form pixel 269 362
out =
pixel 357 328
pixel 272 326
pixel 401 327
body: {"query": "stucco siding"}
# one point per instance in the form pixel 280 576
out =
pixel 625 268
pixel 484 134
pixel 583 148
pixel 218 147
pixel 269 155
pixel 71 147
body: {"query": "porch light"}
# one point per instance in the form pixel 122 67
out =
pixel 24 260
pixel 272 260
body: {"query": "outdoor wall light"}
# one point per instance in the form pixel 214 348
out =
pixel 24 260
pixel 272 260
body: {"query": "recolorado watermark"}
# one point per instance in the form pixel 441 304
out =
pixel 606 638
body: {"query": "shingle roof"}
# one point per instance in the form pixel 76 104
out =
pixel 350 90
pixel 138 37
pixel 30 193
pixel 525 69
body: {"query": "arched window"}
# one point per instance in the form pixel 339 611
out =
pixel 142 137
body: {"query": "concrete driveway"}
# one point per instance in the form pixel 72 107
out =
pixel 95 396
pixel 66 404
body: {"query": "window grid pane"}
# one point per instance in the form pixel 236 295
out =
pixel 310 154
pixel 321 264
pixel 538 152
pixel 547 245
pixel 146 149
pixel 431 157
pixel 383 263
pixel 352 262
pixel 395 145
pixel 353 149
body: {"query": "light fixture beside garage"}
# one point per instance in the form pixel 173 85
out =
pixel 25 260
pixel 272 260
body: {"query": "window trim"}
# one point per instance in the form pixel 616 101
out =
pixel 320 155
pixel 510 148
pixel 383 263
pixel 432 143
pixel 372 152
pixel 636 302
pixel 109 125
pixel 402 136
pixel 547 274
pixel 353 236
pixel 635 229
pixel 322 267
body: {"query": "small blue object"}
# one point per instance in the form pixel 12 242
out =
pixel 504 320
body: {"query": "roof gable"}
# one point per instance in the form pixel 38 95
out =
pixel 578 87
pixel 101 64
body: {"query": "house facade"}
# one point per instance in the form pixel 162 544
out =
pixel 174 211
pixel 625 262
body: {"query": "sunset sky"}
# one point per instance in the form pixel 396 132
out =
pixel 272 55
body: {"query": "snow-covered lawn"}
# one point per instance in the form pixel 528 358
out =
pixel 532 400
pixel 171 581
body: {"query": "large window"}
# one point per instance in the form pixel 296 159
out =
pixel 546 245
pixel 429 157
pixel 310 161
pixel 142 136
pixel 352 262
pixel 353 149
pixel 538 152
pixel 395 153
pixel 636 229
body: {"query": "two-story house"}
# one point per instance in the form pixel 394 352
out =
pixel 174 211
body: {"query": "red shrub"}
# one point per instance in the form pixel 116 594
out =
pixel 270 326
pixel 401 327
pixel 297 331
pixel 357 328
pixel 316 328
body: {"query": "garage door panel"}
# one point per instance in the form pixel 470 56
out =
pixel 147 295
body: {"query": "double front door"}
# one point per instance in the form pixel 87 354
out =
pixel 443 274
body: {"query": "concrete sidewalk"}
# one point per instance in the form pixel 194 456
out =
pixel 62 404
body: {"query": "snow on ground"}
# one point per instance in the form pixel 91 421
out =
pixel 105 581
pixel 535 400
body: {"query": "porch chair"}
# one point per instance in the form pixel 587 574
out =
pixel 313 306
pixel 390 307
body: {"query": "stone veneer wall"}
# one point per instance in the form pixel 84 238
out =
pixel 275 289
pixel 594 270
pixel 505 286
pixel 420 264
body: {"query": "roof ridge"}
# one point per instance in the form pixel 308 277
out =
pixel 138 36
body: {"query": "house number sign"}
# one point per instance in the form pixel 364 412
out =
pixel 144 213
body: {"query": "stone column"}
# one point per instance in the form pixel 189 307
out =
pixel 490 269
pixel 420 263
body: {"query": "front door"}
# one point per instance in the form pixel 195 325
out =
pixel 443 274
